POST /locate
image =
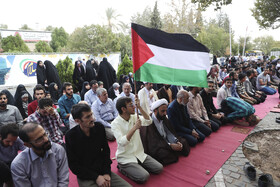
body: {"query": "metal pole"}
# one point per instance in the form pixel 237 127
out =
pixel 243 53
pixel 229 39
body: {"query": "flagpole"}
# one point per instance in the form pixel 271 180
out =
pixel 137 98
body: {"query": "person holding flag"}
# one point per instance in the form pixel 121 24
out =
pixel 132 161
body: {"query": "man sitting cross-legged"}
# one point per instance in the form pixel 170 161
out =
pixel 159 138
pixel 178 115
pixel 88 151
pixel 198 113
pixel 132 161
pixel 105 112
pixel 43 163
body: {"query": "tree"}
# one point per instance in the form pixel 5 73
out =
pixel 49 28
pixel 144 18
pixel 223 21
pixel 125 67
pixel 206 3
pixel 65 70
pixel 215 38
pixel 14 44
pixel 155 18
pixel 25 27
pixel 94 39
pixel 267 13
pixel 125 45
pixel 248 46
pixel 3 26
pixel 264 43
pixel 59 39
pixel 181 18
pixel 42 47
pixel 112 16
pixel 198 21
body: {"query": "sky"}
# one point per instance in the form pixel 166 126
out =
pixel 69 14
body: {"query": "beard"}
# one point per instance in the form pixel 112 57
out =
pixel 69 94
pixel 45 147
pixel 160 117
pixel 3 104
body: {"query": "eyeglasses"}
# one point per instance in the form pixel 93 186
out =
pixel 40 139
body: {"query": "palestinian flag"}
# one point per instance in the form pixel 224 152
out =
pixel 160 57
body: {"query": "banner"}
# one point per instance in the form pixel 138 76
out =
pixel 21 69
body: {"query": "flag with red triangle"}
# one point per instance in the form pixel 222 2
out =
pixel 165 58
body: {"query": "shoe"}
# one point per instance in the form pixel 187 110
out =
pixel 265 180
pixel 277 120
pixel 250 171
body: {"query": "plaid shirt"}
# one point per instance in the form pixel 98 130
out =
pixel 241 108
pixel 50 123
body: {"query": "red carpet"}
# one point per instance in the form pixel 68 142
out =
pixel 209 155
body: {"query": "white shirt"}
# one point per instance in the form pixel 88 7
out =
pixel 129 151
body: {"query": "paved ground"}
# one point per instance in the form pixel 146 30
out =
pixel 231 173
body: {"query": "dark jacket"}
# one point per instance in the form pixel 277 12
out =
pixel 208 103
pixel 88 157
pixel 181 123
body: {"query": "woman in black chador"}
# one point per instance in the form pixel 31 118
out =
pixel 90 71
pixel 78 75
pixel 107 74
pixel 52 74
pixel 41 73
pixel 86 87
pixel 22 99
pixel 54 91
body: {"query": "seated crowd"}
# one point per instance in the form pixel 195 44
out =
pixel 152 128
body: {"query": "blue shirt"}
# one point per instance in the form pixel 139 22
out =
pixel 104 112
pixel 28 169
pixel 233 90
pixel 90 97
pixel 65 105
pixel 7 154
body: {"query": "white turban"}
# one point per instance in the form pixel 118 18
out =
pixel 158 103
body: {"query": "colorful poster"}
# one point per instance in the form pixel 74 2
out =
pixel 21 69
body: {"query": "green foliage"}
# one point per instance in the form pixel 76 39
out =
pixel 275 49
pixel 206 3
pixel 3 26
pixel 248 46
pixel 155 18
pixel 14 44
pixel 144 18
pixel 223 21
pixel 215 38
pixel 183 18
pixel 125 67
pixel 59 39
pixel 65 70
pixel 25 27
pixel 125 43
pixel 112 16
pixel 264 43
pixel 94 39
pixel 267 13
pixel 49 28
pixel 42 47
pixel 272 58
